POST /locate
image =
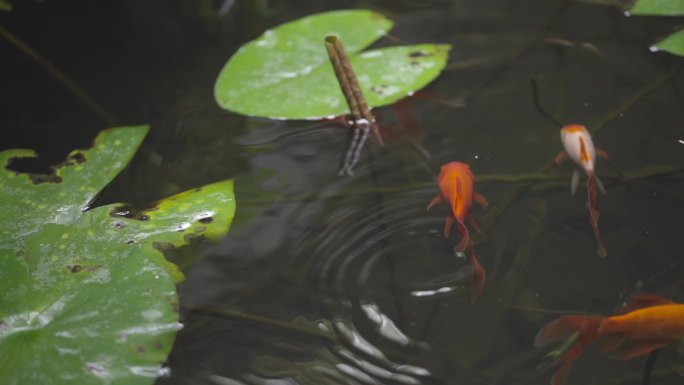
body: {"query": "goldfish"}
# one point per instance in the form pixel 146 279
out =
pixel 645 323
pixel 579 147
pixel 455 183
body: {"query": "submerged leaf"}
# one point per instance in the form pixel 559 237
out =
pixel 86 297
pixel 5 6
pixel 286 73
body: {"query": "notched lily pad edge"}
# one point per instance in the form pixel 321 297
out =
pixel 197 229
pixel 75 157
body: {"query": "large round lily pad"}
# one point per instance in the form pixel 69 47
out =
pixel 86 296
pixel 286 72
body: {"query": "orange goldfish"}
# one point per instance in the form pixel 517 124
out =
pixel 456 189
pixel 580 148
pixel 646 323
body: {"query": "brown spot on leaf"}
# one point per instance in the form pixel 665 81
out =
pixel 193 238
pixel 130 212
pixel 77 157
pixel 415 64
pixel 175 306
pixel 75 268
pixel 141 349
pixel 419 54
pixel 162 246
pixel 74 158
pixel 206 220
pixel 44 178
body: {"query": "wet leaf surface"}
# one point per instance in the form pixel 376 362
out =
pixel 86 295
pixel 286 73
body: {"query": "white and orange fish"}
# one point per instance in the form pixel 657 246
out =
pixel 646 323
pixel 456 189
pixel 580 148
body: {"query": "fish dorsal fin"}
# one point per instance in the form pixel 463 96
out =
pixel 584 155
pixel 640 301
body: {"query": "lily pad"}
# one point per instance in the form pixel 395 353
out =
pixel 673 44
pixel 86 296
pixel 658 8
pixel 286 72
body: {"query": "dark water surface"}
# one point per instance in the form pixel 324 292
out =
pixel 343 280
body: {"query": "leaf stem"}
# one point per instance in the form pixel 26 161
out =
pixel 363 119
pixel 59 76
pixel 347 78
pixel 634 99
pixel 290 326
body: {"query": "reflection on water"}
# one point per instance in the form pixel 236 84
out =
pixel 348 280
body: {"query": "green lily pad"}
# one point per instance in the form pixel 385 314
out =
pixel 286 72
pixel 86 296
pixel 673 44
pixel 658 8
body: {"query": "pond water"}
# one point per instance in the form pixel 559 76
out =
pixel 343 280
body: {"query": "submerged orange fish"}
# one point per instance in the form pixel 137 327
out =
pixel 646 323
pixel 580 148
pixel 456 189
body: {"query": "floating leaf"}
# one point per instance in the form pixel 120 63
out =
pixel 673 44
pixel 286 72
pixel 658 8
pixel 86 297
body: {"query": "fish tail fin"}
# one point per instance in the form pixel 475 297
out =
pixel 448 223
pixel 465 237
pixel 574 182
pixel 565 327
pixel 594 214
pixel 584 327
pixel 599 184
pixel 479 274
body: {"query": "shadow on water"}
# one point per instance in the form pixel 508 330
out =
pixel 330 280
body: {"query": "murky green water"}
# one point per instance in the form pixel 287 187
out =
pixel 331 280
